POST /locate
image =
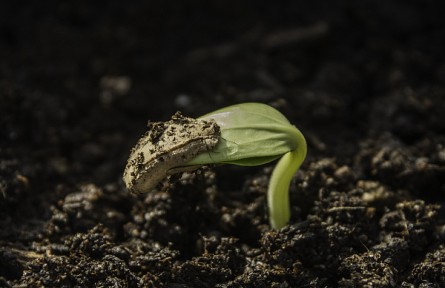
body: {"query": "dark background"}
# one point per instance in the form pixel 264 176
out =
pixel 363 80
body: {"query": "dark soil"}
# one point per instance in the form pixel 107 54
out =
pixel 363 80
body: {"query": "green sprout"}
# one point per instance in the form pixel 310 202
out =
pixel 254 134
pixel 248 134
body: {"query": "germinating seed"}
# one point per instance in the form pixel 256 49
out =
pixel 165 147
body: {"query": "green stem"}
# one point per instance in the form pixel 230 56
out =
pixel 278 191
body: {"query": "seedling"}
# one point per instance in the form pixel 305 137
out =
pixel 247 134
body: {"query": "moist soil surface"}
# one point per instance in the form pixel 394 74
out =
pixel 363 80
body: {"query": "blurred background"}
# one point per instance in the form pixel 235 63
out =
pixel 82 78
pixel 363 80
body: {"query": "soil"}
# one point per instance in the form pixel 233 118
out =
pixel 363 80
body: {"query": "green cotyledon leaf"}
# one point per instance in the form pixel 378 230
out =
pixel 254 134
pixel 251 134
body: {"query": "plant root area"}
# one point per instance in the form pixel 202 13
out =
pixel 363 80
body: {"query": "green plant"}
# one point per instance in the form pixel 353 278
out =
pixel 254 134
pixel 247 134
